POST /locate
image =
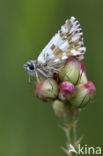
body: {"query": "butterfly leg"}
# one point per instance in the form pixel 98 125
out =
pixel 31 82
pixel 50 83
pixel 37 77
pixel 45 75
pixel 42 73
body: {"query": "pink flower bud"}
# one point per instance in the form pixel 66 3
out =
pixel 66 90
pixel 84 93
pixel 82 67
pixel 90 88
pixel 71 71
pixel 59 108
pixel 47 89
pixel 83 77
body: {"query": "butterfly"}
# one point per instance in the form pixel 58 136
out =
pixel 64 44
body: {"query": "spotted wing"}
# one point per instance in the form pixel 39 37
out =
pixel 67 42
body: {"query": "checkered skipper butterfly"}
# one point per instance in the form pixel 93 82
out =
pixel 67 42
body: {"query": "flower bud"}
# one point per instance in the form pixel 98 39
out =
pixel 66 90
pixel 59 108
pixel 47 89
pixel 84 93
pixel 83 77
pixel 71 71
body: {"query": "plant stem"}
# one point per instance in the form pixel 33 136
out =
pixel 70 131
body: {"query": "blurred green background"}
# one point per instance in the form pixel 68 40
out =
pixel 28 126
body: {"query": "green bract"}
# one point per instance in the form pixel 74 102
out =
pixel 83 78
pixel 47 89
pixel 84 93
pixel 71 71
pixel 59 107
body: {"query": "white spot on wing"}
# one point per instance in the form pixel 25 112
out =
pixel 64 46
pixel 64 57
pixel 57 60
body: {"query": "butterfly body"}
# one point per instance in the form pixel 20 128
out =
pixel 67 42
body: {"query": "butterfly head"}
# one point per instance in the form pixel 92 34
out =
pixel 30 67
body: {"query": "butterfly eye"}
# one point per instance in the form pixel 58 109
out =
pixel 31 66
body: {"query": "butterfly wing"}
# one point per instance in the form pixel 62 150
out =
pixel 67 42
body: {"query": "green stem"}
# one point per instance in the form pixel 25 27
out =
pixel 70 131
pixel 72 134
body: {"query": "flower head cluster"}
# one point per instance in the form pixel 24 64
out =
pixel 70 85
